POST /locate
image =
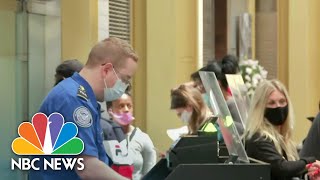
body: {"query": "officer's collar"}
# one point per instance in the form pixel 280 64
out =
pixel 81 81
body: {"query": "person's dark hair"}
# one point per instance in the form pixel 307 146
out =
pixel 228 65
pixel 195 76
pixel 66 69
pixel 212 66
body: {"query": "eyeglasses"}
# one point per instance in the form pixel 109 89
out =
pixel 126 79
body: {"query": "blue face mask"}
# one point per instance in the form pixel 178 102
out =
pixel 118 89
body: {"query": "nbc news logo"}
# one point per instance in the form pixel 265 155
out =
pixel 47 136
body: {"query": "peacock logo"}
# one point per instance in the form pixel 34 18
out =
pixel 47 136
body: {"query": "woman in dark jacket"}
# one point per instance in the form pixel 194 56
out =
pixel 269 130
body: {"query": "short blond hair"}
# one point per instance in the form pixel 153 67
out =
pixel 111 50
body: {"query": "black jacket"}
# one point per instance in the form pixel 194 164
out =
pixel 281 169
pixel 111 130
pixel 311 145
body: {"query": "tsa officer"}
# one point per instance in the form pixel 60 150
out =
pixel 105 76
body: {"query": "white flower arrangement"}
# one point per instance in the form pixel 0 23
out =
pixel 252 74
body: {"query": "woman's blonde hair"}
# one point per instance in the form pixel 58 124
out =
pixel 184 96
pixel 256 122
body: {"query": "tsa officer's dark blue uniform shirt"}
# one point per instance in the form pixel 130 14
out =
pixel 75 100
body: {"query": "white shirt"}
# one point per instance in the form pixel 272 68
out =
pixel 141 149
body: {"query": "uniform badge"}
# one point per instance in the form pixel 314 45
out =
pixel 82 117
pixel 82 93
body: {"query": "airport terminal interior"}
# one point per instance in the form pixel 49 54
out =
pixel 173 39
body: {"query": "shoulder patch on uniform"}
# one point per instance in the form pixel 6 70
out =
pixel 82 93
pixel 82 117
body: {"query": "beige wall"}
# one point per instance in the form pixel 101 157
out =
pixel 8 5
pixel 165 36
pixel 79 28
pixel 282 38
pixel 304 61
pixel 139 42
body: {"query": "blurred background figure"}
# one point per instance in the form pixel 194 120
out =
pixel 66 69
pixel 228 65
pixel 269 131
pixel 139 144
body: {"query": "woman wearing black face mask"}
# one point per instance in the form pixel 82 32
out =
pixel 269 132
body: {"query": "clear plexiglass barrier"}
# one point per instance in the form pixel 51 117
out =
pixel 239 95
pixel 226 123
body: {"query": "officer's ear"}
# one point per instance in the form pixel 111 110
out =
pixel 106 68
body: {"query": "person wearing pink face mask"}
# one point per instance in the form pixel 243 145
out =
pixel 140 146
